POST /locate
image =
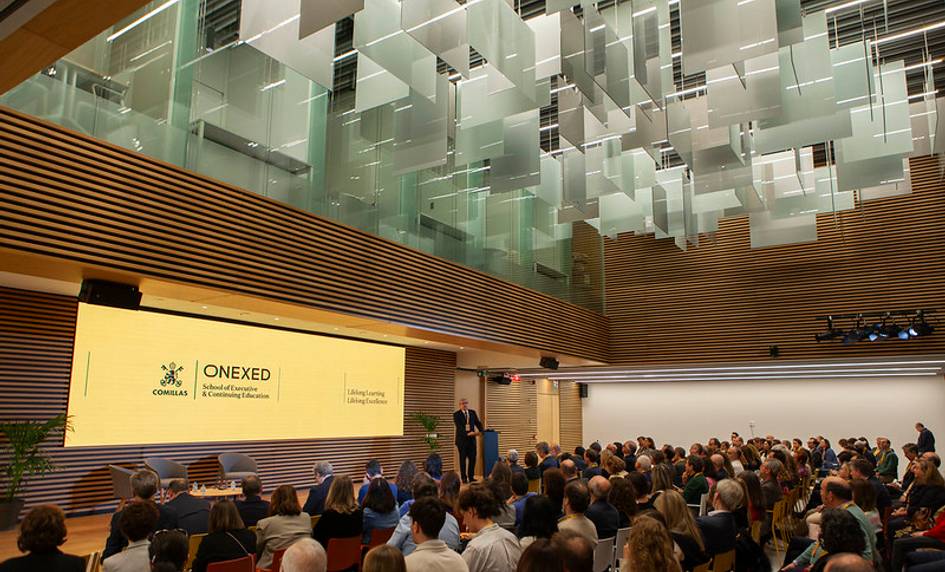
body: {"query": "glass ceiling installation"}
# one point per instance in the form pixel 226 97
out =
pixel 497 133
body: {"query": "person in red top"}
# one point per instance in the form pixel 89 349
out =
pixel 932 538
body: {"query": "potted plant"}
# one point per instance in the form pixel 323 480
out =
pixel 429 424
pixel 25 457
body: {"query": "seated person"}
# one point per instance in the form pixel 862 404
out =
pixel 424 487
pixel 315 503
pixel 379 509
pixel 576 500
pixel 546 459
pixel 144 485
pixel 405 475
pixel 305 555
pixel 696 484
pixel 286 524
pixel 605 517
pixel 718 527
pixel 252 507
pixel 138 520
pixel 433 466
pixel 492 547
pixel 592 461
pixel 531 466
pixel 227 539
pixel 427 518
pixel 343 517
pixel 168 551
pixel 520 494
pixel 42 532
pixel 373 470
pixel 193 514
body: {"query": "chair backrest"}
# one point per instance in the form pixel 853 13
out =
pixel 343 553
pixel 756 531
pixel 315 519
pixel 623 535
pixel 194 543
pixel 704 504
pixel 277 559
pixel 121 481
pixel 244 564
pixel 603 554
pixel 704 567
pixel 166 468
pixel 237 463
pixel 534 486
pixel 93 561
pixel 380 536
pixel 724 562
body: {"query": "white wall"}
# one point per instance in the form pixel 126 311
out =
pixel 681 413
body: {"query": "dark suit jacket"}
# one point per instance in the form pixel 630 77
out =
pixel 692 556
pixel 772 493
pixel 605 517
pixel 882 495
pixel 51 562
pixel 315 503
pixel 193 514
pixel 718 532
pixel 254 509
pixel 549 463
pixel 337 525
pixel 926 442
pixel 222 546
pixel 116 541
pixel 459 421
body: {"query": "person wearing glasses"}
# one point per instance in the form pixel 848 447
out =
pixel 136 523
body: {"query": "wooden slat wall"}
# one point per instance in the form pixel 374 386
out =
pixel 66 195
pixel 571 420
pixel 512 410
pixel 727 302
pixel 36 337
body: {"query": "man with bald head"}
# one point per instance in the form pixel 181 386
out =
pixel 718 467
pixel 570 471
pixel 305 555
pixel 605 516
pixel 835 493
pixel 847 562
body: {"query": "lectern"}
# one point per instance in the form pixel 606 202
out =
pixel 490 451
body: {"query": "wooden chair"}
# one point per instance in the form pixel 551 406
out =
pixel 702 567
pixel 379 536
pixel 603 554
pixel 315 520
pixel 277 559
pixel 93 561
pixel 534 486
pixel 724 562
pixel 244 564
pixel 777 524
pixel 344 553
pixel 756 531
pixel 194 543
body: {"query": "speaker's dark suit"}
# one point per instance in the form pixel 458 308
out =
pixel 464 443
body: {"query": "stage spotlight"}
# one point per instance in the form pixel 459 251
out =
pixel 920 327
pixel 890 331
pixel 831 333
pixel 876 333
pixel 857 333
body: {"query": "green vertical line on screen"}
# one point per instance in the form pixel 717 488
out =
pixel 88 360
pixel 196 369
pixel 279 385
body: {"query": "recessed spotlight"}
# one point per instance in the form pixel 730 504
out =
pixel 203 307
pixel 276 319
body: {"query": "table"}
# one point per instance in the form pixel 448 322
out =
pixel 214 494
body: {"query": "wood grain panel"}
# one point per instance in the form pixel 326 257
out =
pixel 75 198
pixel 36 338
pixel 512 410
pixel 571 420
pixel 727 302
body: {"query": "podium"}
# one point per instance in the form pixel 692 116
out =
pixel 490 451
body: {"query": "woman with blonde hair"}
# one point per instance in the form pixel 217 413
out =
pixel 343 518
pixel 384 558
pixel 649 548
pixel 285 524
pixel 662 476
pixel 616 467
pixel 682 528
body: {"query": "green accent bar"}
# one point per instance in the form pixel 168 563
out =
pixel 88 360
pixel 196 369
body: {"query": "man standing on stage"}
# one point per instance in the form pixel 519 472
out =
pixel 467 427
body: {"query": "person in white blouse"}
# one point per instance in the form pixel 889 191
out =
pixel 492 547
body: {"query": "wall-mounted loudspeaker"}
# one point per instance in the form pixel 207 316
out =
pixel 582 387
pixel 105 293
pixel 548 362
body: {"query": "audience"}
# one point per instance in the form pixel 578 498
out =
pixel 926 494
pixel 424 487
pixel 649 548
pixel 532 471
pixel 430 554
pixel 492 547
pixel 540 556
pixel 641 488
pixel 719 527
pixel 545 459
pixel 863 469
pixel 315 503
pixel 520 494
pixel 570 470
pixel 379 509
pixel 840 533
pixel 605 517
pixel 696 484
pixel 576 500
pixel 623 498
pixel 433 466
pixel 449 490
pixel 285 524
pixel 682 528
pixel 553 484
pixel 405 475
pixel 193 514
pixel 144 485
pixel 373 470
pixel 754 508
pixel 252 507
pixel 513 462
pixel 933 538
pixel 383 558
pixel 887 462
pixel 137 522
pixel 343 517
pixel 661 478
pixel 849 563
pixel 42 532
pixel 167 552
pixel 539 520
pixel 228 538
pixel 770 487
pixel 305 555
pixel 575 550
